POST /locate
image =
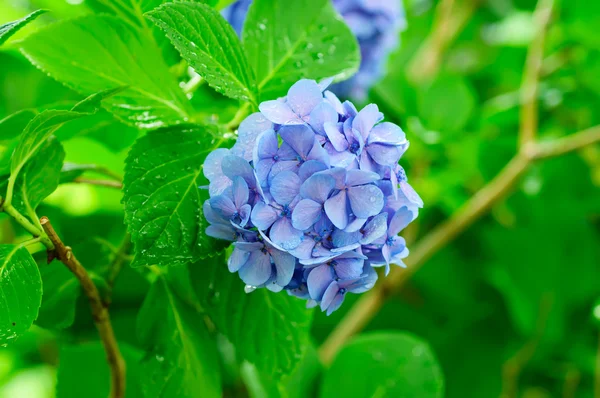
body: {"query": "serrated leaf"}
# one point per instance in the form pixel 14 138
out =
pixel 83 371
pixel 210 45
pixel 270 330
pixel 99 52
pixel 162 198
pixel 384 364
pixel 9 29
pixel 286 41
pixel 20 292
pixel 181 359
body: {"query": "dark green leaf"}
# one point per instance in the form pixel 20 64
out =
pixel 286 41
pixel 20 292
pixel 61 291
pixel 270 330
pixel 181 359
pixel 83 371
pixel 209 44
pixel 9 29
pixel 384 364
pixel 100 52
pixel 163 201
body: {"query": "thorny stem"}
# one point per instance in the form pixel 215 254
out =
pixel 99 311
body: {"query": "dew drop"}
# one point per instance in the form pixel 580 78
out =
pixel 249 288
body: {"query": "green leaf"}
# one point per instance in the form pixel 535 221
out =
pixel 384 364
pixel 181 359
pixel 210 45
pixel 99 52
pixel 9 29
pixel 13 125
pixel 163 201
pixel 83 371
pixel 20 292
pixel 270 330
pixel 61 291
pixel 286 41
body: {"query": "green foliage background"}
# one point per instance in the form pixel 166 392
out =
pixel 515 300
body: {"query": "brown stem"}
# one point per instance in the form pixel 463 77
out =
pixel 99 311
pixel 533 67
pixel 102 183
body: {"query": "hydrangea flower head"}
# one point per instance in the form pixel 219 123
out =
pixel 376 25
pixel 312 196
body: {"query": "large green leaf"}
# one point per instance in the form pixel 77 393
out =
pixel 13 125
pixel 20 292
pixel 98 52
pixel 384 364
pixel 162 195
pixel 61 291
pixel 209 44
pixel 270 330
pixel 9 29
pixel 83 371
pixel 286 41
pixel 181 359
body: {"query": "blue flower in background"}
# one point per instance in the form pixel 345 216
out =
pixel 376 25
pixel 312 196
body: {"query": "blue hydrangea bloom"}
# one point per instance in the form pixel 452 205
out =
pixel 312 196
pixel 376 25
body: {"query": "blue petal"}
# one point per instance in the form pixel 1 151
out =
pixel 360 177
pixel 263 216
pixel 279 112
pixel 334 101
pixel 366 119
pixel 248 132
pixel 240 192
pixel 322 114
pixel 212 216
pixel 257 269
pixel 223 206
pixel 337 210
pixel 285 264
pixel 329 295
pixel 237 259
pixel 304 96
pixel 385 155
pixel 285 235
pixel 318 153
pixel 325 82
pixel 309 168
pixel 387 133
pixel 245 212
pixel 266 146
pixel 299 137
pixel 375 229
pixel 401 218
pixel 365 200
pixel 221 231
pixel 234 166
pixel 319 280
pixel 285 187
pixel 304 249
pixel 306 214
pixel 317 187
pixel 214 173
pixel 411 194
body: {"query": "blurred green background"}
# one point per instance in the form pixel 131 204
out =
pixel 511 304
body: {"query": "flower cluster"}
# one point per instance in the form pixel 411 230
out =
pixel 376 25
pixel 312 196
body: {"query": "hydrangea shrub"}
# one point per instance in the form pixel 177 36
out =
pixel 312 196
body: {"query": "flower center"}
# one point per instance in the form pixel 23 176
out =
pixel 389 241
pixel 354 147
pixel 343 290
pixel 276 157
pixel 286 212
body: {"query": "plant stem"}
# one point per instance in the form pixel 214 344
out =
pixel 99 311
pixel 533 67
pixel 25 223
pixel 101 183
pixel 563 145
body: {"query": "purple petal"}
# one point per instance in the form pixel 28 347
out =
pixel 336 137
pixel 221 231
pixel 385 251
pixel 366 119
pixel 245 212
pixel 306 214
pixel 336 303
pixel 334 101
pixel 343 239
pixel 263 216
pixel 349 109
pixel 237 259
pixel 286 165
pixel 365 200
pixel 266 146
pixel 285 187
pixel 366 163
pixel 263 169
pixel 299 137
pixel 257 269
pixel 248 132
pixel 411 194
pixel 240 192
pixel 323 114
pixel 285 235
pixel 337 211
pixel 319 154
pixel 223 206
pixel 325 82
pixel 319 280
pixel 210 215
pixel 387 133
pixel 309 168
pixel 286 152
pixel 214 173
pixel 355 224
pixel 285 264
pixel 347 268
pixel 360 177
pixel 304 96
pixel 329 295
pixel 279 112
pixel 317 187
pixel 376 228
pixel 304 249
pixel 234 166
pixel 339 159
pixel 339 175
pixel 385 155
pixel 401 218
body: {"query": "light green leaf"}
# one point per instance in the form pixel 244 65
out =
pixel 20 292
pixel 384 364
pixel 210 45
pixel 13 125
pixel 83 371
pixel 163 201
pixel 9 29
pixel 99 52
pixel 286 41
pixel 270 330
pixel 181 359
